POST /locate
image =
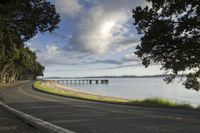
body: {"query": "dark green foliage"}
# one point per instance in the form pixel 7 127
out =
pixel 27 17
pixel 19 21
pixel 170 32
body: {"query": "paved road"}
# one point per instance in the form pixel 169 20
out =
pixel 93 117
pixel 11 124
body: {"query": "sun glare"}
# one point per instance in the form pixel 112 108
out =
pixel 106 27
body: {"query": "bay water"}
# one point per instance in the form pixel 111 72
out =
pixel 140 88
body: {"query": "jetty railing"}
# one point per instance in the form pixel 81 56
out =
pixel 81 81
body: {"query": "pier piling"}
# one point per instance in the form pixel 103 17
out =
pixel 82 81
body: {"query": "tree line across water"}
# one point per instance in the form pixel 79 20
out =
pixel 19 22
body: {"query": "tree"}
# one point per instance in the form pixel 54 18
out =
pixel 170 31
pixel 20 20
pixel 28 17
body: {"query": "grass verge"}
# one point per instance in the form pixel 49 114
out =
pixel 153 102
pixel 79 95
pixel 161 102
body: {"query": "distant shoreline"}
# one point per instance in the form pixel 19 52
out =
pixel 124 76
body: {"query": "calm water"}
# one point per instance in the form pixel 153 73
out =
pixel 139 88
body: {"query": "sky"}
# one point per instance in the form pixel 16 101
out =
pixel 94 38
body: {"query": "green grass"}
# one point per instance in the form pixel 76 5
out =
pixel 161 102
pixel 80 95
pixel 155 102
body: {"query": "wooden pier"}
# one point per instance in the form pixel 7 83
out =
pixel 81 81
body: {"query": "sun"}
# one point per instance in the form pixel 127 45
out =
pixel 107 27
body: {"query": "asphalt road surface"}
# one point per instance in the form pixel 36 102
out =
pixel 92 117
pixel 10 124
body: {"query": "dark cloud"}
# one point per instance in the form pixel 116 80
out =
pixel 108 62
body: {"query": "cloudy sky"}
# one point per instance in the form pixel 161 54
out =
pixel 94 38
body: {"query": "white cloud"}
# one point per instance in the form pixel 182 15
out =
pixel 68 7
pixel 52 55
pixel 105 27
pixel 130 57
pixel 52 50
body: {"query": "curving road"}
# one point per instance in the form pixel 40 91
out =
pixel 93 117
